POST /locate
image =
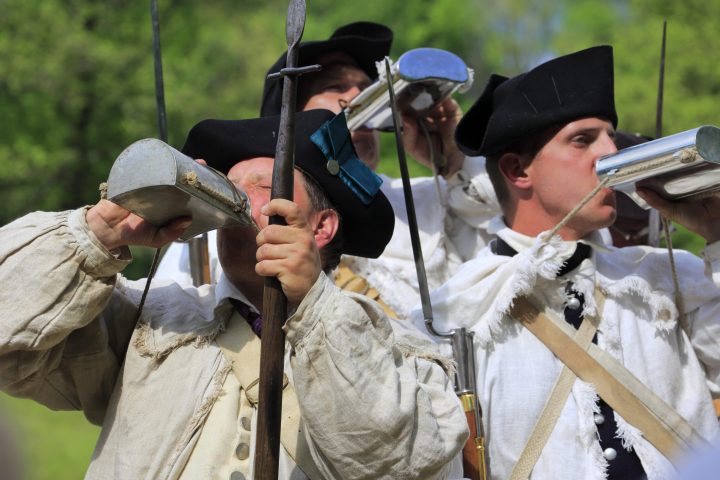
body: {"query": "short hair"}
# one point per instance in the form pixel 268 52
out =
pixel 330 254
pixel 527 147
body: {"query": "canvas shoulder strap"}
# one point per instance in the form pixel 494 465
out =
pixel 241 348
pixel 556 401
pixel 660 424
pixel 347 280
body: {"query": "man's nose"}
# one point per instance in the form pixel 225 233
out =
pixel 607 144
pixel 346 97
pixel 351 93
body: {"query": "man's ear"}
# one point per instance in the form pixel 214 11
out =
pixel 514 168
pixel 325 226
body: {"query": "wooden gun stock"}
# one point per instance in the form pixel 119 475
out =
pixel 474 466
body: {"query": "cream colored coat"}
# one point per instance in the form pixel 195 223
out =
pixel 374 397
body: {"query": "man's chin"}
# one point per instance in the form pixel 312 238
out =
pixel 608 219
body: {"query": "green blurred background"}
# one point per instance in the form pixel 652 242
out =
pixel 76 87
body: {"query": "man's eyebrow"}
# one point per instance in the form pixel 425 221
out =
pixel 252 175
pixel 259 175
pixel 591 130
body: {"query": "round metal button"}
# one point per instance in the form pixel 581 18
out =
pixel 599 418
pixel 246 423
pixel 242 451
pixel 333 167
pixel 573 303
pixel 610 454
pixel 237 476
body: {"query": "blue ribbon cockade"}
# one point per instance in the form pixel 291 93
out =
pixel 333 139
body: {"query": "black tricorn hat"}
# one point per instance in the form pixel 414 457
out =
pixel 367 222
pixel 365 42
pixel 558 91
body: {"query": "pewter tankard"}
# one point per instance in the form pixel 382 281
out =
pixel 158 183
pixel 679 166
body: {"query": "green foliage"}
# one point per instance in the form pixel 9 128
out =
pixel 686 240
pixel 634 29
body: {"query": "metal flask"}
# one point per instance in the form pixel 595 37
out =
pixel 678 166
pixel 158 183
pixel 422 78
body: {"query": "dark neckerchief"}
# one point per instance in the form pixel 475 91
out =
pixel 253 318
pixel 582 251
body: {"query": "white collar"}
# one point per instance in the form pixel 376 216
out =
pixel 519 241
pixel 225 290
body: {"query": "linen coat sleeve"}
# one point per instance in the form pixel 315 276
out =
pixel 374 396
pixel 54 345
pixel 704 321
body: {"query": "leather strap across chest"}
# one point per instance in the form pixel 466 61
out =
pixel 660 424
pixel 347 280
pixel 556 401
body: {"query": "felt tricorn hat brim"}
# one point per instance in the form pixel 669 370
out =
pixel 367 228
pixel 559 91
pixel 364 42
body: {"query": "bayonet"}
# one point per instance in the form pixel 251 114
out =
pixel 197 247
pixel 159 84
pixel 661 86
pixel 162 129
pixel 654 216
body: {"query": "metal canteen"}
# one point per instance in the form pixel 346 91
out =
pixel 422 78
pixel 683 165
pixel 158 183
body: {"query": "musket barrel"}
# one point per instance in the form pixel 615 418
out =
pixel 200 260
pixel 462 344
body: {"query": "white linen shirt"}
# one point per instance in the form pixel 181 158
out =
pixel 374 398
pixel 639 327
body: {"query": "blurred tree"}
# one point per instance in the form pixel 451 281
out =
pixel 634 28
pixel 77 87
